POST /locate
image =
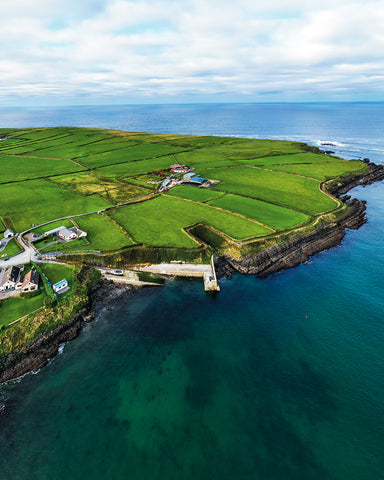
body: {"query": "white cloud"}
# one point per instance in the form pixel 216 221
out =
pixel 169 49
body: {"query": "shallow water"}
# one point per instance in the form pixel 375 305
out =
pixel 279 378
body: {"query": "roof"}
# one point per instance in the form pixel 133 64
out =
pixel 190 175
pixel 11 274
pixel 53 230
pixel 8 232
pixel 62 283
pixel 66 232
pixel 32 277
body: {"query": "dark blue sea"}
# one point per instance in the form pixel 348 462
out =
pixel 274 379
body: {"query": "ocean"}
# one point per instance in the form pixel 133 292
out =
pixel 280 378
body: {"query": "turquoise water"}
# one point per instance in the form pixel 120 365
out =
pixel 280 378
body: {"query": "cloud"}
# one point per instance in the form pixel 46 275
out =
pixel 165 50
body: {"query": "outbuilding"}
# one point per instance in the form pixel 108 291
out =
pixel 61 287
pixel 8 233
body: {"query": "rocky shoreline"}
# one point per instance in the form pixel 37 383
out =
pixel 300 247
pixel 279 257
pixel 38 353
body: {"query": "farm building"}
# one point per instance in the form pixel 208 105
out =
pixel 61 287
pixel 8 234
pixel 177 168
pixel 193 178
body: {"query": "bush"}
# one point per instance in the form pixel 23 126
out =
pixel 33 293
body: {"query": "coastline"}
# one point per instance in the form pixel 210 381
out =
pixel 287 254
pixel 301 247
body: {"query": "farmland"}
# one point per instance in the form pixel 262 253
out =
pixel 261 187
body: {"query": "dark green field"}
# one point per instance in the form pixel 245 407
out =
pixel 264 187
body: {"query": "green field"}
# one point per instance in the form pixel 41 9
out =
pixel 160 221
pixel 15 168
pixel 102 233
pixel 292 191
pixel 271 215
pixel 13 308
pixel 264 185
pixel 11 249
pixel 323 171
pixel 55 273
pixel 193 193
pixel 39 201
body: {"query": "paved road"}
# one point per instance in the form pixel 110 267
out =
pixel 21 258
pixel 181 269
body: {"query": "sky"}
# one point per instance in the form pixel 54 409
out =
pixel 78 52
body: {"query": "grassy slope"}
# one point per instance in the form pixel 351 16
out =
pixel 13 308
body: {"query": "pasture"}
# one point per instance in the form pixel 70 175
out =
pixel 279 218
pixel 323 171
pixel 282 189
pixel 14 308
pixel 40 201
pixel 160 221
pixel 265 185
pixel 193 193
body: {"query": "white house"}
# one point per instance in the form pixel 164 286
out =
pixel 66 234
pixel 30 281
pixel 11 279
pixel 8 233
pixel 61 287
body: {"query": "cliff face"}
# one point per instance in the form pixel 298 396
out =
pixel 297 249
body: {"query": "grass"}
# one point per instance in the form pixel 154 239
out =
pixel 160 221
pixel 323 171
pixel 274 216
pixel 14 308
pixel 286 190
pixel 102 233
pixel 113 167
pixel 135 168
pixel 46 228
pixel 112 190
pixel 24 168
pixel 295 157
pixel 11 249
pixel 56 272
pixel 39 201
pixel 193 193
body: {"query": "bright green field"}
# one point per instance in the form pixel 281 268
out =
pixel 24 168
pixel 113 167
pixel 323 171
pixel 11 249
pixel 193 193
pixel 55 273
pixel 13 308
pixel 60 223
pixel 298 157
pixel 271 215
pixel 135 168
pixel 102 233
pixel 300 193
pixel 160 221
pixel 39 201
